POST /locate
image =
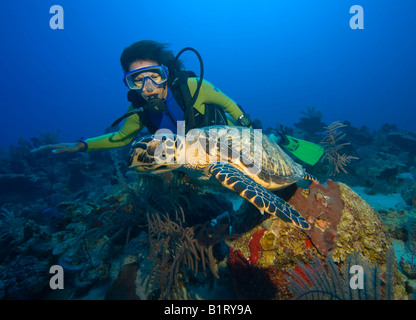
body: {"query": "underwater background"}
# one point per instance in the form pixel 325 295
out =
pixel 292 63
pixel 273 57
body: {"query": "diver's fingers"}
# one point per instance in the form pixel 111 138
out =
pixel 59 148
pixel 65 149
pixel 49 146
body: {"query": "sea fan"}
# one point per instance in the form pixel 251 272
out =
pixel 177 252
pixel 11 227
pixel 314 281
pixel 331 144
pixel 312 112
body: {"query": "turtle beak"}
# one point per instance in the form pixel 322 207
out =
pixel 156 154
pixel 142 158
pixel 140 155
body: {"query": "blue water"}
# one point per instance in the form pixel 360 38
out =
pixel 274 58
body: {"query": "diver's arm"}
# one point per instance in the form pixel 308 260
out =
pixel 131 127
pixel 210 94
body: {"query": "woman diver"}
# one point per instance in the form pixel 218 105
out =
pixel 161 93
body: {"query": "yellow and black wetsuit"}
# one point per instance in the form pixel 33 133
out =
pixel 208 94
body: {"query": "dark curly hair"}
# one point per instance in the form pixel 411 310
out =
pixel 149 50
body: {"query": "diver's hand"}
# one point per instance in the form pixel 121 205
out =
pixel 244 120
pixel 284 141
pixel 62 147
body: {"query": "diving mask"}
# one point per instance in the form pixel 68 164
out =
pixel 149 77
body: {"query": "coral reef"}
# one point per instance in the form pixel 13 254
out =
pixel 342 224
pixel 176 252
pixel 311 123
pixel 119 236
pixel 403 139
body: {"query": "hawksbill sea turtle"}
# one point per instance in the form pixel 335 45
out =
pixel 241 159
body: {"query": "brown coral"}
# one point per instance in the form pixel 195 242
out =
pixel 267 241
pixel 323 208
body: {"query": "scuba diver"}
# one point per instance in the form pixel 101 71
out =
pixel 162 93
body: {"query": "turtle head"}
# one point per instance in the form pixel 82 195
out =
pixel 157 153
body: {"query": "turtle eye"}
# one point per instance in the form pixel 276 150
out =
pixel 139 145
pixel 146 139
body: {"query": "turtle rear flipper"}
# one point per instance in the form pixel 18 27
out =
pixel 263 199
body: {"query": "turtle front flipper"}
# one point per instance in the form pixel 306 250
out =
pixel 262 198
